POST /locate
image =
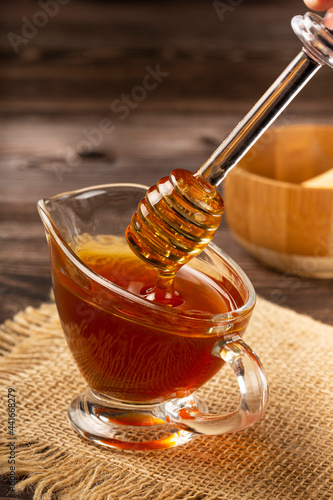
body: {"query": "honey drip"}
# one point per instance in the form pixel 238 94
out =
pixel 163 292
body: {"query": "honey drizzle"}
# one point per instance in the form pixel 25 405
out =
pixel 174 222
pixel 164 291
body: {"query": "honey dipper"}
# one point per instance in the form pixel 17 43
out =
pixel 180 214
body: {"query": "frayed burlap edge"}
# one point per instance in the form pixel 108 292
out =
pixel 74 479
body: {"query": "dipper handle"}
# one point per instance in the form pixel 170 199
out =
pixel 317 51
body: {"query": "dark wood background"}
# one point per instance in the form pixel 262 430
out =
pixel 67 74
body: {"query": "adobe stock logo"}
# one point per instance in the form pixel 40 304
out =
pixel 223 8
pixel 30 27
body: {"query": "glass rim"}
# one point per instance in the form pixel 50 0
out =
pixel 235 314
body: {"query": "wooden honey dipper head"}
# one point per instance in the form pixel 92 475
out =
pixel 177 219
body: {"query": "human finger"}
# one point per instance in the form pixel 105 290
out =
pixel 319 4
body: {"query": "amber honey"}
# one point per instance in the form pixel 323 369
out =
pixel 175 220
pixel 131 340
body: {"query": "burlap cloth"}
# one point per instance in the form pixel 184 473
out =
pixel 288 455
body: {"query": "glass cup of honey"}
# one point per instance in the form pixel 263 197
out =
pixel 144 357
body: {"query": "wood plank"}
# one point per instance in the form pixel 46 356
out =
pixel 67 67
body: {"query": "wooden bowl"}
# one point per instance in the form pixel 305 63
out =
pixel 279 200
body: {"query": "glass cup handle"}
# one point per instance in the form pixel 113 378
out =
pixel 253 387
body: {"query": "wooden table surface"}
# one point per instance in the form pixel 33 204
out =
pixel 173 77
